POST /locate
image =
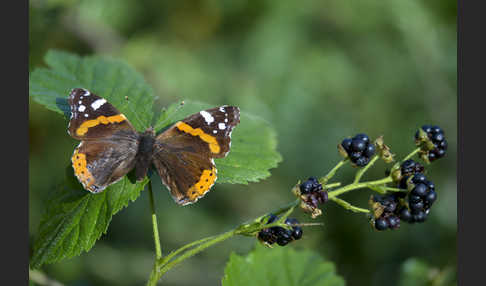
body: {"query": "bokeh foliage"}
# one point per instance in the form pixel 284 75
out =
pixel 317 70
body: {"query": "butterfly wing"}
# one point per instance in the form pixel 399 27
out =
pixel 184 154
pixel 93 117
pixel 109 143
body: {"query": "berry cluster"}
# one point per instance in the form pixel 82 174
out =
pixel 387 217
pixel 420 198
pixel 358 149
pixel 436 135
pixel 279 234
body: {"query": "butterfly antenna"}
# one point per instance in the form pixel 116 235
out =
pixel 133 111
pixel 169 114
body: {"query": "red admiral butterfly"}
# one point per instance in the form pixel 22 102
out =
pixel 182 155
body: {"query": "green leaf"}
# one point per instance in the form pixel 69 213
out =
pixel 282 266
pixel 253 144
pixel 75 219
pixel 108 78
pixel 416 272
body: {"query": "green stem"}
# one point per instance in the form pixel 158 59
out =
pixel 158 250
pixel 351 187
pixel 330 186
pixel 394 189
pixel 361 171
pixel 411 154
pixel 179 250
pixel 349 206
pixel 331 173
pixel 160 269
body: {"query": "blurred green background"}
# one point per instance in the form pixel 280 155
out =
pixel 317 70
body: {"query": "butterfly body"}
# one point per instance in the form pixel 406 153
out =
pixel 182 155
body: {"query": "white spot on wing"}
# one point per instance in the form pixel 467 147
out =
pixel 81 108
pixel 79 102
pixel 86 115
pixel 222 109
pixel 222 126
pixel 226 120
pixel 86 93
pixel 209 119
pixel 215 131
pixel 99 102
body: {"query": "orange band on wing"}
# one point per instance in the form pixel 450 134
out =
pixel 81 170
pixel 206 181
pixel 99 120
pixel 211 140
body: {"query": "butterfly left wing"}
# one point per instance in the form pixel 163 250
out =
pixel 109 143
pixel 183 154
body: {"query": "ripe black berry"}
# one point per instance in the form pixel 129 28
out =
pixel 436 135
pixel 387 218
pixel 359 149
pixel 306 187
pixel 420 198
pixel 279 234
pixel 410 167
pixel 296 230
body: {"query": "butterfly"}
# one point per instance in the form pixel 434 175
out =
pixel 183 155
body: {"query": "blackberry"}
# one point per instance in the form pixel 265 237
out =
pixel 437 137
pixel 420 198
pixel 312 194
pixel 296 232
pixel 278 234
pixel 410 167
pixel 358 149
pixel 310 186
pixel 306 187
pixel 386 218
